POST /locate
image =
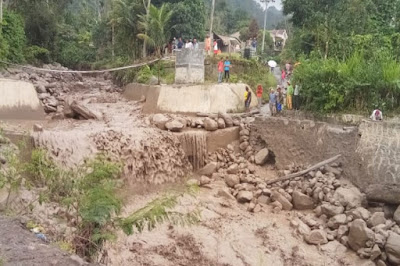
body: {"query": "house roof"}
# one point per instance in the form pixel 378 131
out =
pixel 226 40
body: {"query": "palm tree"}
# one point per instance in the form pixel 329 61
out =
pixel 155 27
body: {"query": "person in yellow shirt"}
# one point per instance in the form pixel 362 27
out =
pixel 247 99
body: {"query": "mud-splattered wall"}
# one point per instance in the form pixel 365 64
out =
pixel 371 151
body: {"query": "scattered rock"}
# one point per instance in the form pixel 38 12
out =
pixel 204 180
pixel 244 196
pixel 243 146
pixel 359 234
pixel 302 201
pixel 224 193
pixel 174 126
pixel 261 157
pixel 375 252
pixel 37 128
pixel 160 120
pixel 337 221
pixel 209 169
pixel 386 193
pixel 396 216
pixel 376 219
pixel 350 197
pixel 331 210
pixel 317 237
pixel 392 248
pixel 233 169
pixel 210 124
pixel 263 199
pixel 286 205
pixel 232 180
pixel 360 213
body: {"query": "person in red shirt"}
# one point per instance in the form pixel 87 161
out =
pixel 259 95
pixel 220 70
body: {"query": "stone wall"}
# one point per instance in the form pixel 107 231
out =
pixel 189 66
pixel 370 152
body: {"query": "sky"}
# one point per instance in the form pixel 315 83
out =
pixel 277 4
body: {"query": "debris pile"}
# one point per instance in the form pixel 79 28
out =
pixel 53 87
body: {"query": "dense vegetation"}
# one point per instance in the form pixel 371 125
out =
pixel 349 53
pixel 78 33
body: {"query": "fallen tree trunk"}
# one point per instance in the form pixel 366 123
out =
pixel 386 193
pixel 294 175
pixel 83 111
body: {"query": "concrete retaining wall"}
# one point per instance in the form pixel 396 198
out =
pixel 19 100
pixel 190 98
pixel 371 152
pixel 189 67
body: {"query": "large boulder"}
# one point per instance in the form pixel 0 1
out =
pixel 262 156
pixel 210 124
pixel 244 196
pixel 209 169
pixel 286 205
pixel 396 216
pixel 227 118
pixel 232 180
pixel 160 120
pixel 221 123
pixel 386 193
pixel 392 248
pixel 174 126
pixel 359 234
pixel 317 237
pixel 350 197
pixel 302 201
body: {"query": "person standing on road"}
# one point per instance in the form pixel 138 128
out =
pixel 283 76
pixel 272 102
pixel 279 99
pixel 215 45
pixel 220 70
pixel 227 69
pixel 247 99
pixel 289 96
pixel 296 97
pixel 259 95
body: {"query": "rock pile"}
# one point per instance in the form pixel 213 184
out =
pixel 52 88
pixel 340 212
pixel 210 122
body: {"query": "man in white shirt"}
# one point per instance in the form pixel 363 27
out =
pixel 195 44
pixel 189 45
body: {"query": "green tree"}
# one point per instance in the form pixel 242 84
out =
pixel 188 20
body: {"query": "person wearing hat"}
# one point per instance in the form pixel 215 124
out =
pixel 289 96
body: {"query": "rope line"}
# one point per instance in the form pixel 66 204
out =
pixel 85 72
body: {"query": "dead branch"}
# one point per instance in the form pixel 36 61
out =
pixel 294 175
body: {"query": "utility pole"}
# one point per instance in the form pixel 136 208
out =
pixel 211 25
pixel 265 22
pixel 147 21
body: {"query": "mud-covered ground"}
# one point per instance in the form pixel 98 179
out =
pixel 20 247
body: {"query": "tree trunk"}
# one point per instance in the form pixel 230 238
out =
pixel 147 18
pixel 113 41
